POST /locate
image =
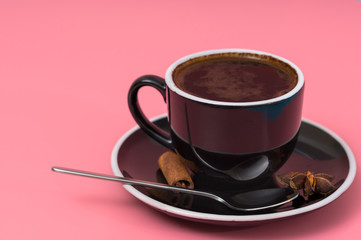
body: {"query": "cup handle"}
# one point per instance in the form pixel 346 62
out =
pixel 147 126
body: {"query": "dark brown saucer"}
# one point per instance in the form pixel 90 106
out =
pixel 317 150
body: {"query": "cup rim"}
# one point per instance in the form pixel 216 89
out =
pixel 171 85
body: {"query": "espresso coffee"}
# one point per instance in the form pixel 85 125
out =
pixel 235 78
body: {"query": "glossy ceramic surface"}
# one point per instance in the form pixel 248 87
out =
pixel 317 150
pixel 259 133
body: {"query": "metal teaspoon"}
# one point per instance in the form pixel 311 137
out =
pixel 264 198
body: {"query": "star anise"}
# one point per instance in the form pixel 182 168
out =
pixel 310 183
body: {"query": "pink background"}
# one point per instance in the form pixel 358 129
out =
pixel 65 70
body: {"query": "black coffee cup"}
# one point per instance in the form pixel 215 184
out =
pixel 226 136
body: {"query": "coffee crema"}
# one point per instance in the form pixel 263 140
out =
pixel 235 78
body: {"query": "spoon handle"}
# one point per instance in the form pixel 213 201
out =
pixel 133 181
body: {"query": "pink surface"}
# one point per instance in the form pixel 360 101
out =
pixel 66 67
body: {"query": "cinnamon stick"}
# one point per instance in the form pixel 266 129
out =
pixel 173 198
pixel 174 170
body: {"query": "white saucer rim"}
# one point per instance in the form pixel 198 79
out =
pixel 236 218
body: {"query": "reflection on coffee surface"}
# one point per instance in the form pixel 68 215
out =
pixel 234 78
